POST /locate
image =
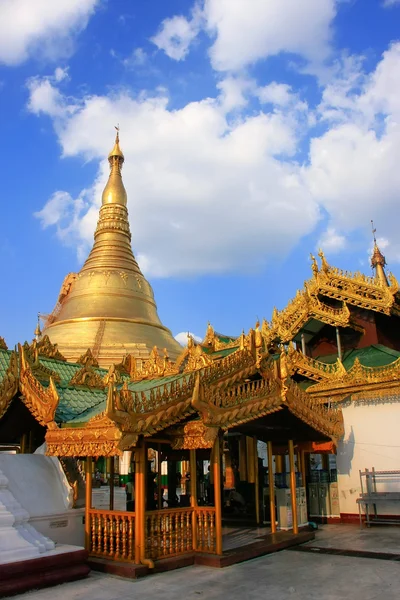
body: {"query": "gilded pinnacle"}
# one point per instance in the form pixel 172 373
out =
pixel 378 261
pixel 109 306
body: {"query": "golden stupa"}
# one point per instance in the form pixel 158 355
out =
pixel 109 306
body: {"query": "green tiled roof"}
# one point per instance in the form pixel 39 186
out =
pixel 4 362
pixel 376 355
pixel 66 370
pixel 222 353
pixel 76 401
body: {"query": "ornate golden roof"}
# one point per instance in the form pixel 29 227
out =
pixel 356 289
pixel 109 306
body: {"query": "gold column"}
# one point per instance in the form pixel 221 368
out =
pixel 88 503
pixel 193 496
pixel 217 495
pixel 278 463
pixel 111 482
pixel 139 513
pixel 271 482
pixel 293 487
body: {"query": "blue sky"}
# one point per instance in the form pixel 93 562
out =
pixel 254 132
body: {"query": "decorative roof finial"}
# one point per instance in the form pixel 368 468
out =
pixel 114 192
pixel 378 261
pixel 38 332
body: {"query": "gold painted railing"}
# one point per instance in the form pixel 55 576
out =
pixel 112 534
pixel 206 532
pixel 168 532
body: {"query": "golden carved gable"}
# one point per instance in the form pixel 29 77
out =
pixel 87 377
pixel 9 384
pixel 46 348
pixel 349 288
pixel 88 358
pixel 3 345
pixel 156 366
pixel 39 371
pixel 41 401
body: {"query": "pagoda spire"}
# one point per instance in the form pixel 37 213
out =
pixel 378 261
pixel 109 305
pixel 112 238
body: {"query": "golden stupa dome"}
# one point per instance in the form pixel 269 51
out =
pixel 109 306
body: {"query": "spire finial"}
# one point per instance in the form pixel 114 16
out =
pixel 378 261
pixel 114 192
pixel 373 231
pixel 38 332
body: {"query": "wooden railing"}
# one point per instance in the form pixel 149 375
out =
pixel 168 532
pixel 206 531
pixel 112 534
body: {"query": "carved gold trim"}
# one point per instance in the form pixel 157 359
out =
pixel 193 435
pixel 311 368
pixel 3 345
pixel 349 288
pixel 88 358
pixel 46 348
pixel 100 437
pixel 358 380
pixel 41 401
pixel 87 377
pixel 155 366
pixel 328 421
pixel 9 384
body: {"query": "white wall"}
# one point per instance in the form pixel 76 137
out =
pixel 372 439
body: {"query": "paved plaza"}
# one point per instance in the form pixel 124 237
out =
pixel 287 575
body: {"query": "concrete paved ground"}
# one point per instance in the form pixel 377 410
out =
pixel 378 538
pixel 287 575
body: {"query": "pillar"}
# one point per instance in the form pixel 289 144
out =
pixel 339 344
pixel 88 503
pixel 303 344
pixel 293 487
pixel 279 463
pixel 217 494
pixel 271 482
pixel 140 503
pixel 193 495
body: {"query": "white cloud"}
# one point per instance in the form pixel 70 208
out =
pixel 248 30
pixel 138 58
pixel 40 27
pixel 331 241
pixel 354 165
pixel 389 3
pixel 245 31
pixel 182 337
pixel 205 195
pixel 175 35
pixel 275 93
pixel 234 92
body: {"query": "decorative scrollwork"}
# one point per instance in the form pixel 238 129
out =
pixel 9 384
pixel 41 401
